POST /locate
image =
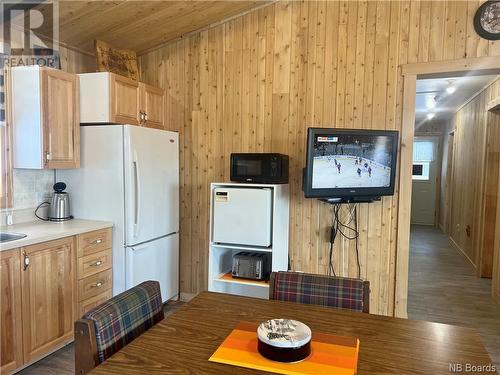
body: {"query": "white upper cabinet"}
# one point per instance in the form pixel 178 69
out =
pixel 45 118
pixel 108 98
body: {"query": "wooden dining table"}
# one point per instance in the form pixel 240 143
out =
pixel 183 342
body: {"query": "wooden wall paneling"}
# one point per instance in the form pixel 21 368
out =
pixel 495 283
pixel 491 175
pixel 476 206
pixel 472 188
pixel 449 31
pixel 298 71
pixel 436 30
pixel 357 122
pixel 288 66
pixel 320 213
pixel 425 28
pixel 185 93
pixel 349 247
pixel 460 30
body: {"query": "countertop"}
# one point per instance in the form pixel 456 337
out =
pixel 41 231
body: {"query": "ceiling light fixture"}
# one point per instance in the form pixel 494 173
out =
pixel 451 89
pixel 430 116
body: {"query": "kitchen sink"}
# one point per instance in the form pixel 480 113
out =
pixel 9 236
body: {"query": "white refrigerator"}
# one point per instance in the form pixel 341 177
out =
pixel 130 175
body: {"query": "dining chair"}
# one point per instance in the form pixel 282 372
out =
pixel 107 328
pixel 339 292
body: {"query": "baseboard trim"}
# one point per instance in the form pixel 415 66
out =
pixel 186 297
pixel 441 227
pixel 461 251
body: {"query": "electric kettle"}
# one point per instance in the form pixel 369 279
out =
pixel 59 209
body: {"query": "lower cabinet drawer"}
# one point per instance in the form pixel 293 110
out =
pixel 94 263
pixel 92 302
pixel 93 285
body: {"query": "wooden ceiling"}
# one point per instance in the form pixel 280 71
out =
pixel 139 25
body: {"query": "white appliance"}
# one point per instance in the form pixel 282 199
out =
pixel 130 175
pixel 242 216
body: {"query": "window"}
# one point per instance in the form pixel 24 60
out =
pixel 421 171
pixel 423 155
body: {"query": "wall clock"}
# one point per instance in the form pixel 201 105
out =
pixel 487 20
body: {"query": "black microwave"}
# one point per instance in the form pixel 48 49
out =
pixel 262 168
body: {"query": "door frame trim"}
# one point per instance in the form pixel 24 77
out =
pixel 410 72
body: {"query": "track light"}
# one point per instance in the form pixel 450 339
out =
pixel 451 89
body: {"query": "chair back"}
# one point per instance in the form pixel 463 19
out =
pixel 339 292
pixel 107 328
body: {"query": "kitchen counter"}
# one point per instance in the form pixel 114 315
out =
pixel 41 231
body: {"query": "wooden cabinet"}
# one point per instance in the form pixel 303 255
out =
pixel 44 288
pixel 94 275
pixel 110 98
pixel 48 296
pixel 11 356
pixel 124 98
pixel 45 118
pixel 151 106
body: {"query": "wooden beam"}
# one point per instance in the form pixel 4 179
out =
pixel 472 65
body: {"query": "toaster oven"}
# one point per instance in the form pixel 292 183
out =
pixel 251 265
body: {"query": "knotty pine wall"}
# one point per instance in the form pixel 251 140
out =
pixel 255 83
pixel 76 62
pixel 473 189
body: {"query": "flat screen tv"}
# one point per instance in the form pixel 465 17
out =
pixel 350 163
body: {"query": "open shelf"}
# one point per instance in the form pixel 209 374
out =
pixel 228 278
pixel 243 247
pixel 221 254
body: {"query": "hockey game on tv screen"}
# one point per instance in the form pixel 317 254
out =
pixel 351 161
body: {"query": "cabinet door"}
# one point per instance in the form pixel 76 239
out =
pixel 48 296
pixel 11 356
pixel 124 100
pixel 152 103
pixel 61 119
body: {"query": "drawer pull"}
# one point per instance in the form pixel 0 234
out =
pixel 96 264
pixel 97 285
pixel 97 242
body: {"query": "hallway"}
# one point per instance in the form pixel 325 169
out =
pixel 443 288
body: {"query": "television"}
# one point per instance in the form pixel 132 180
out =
pixel 350 164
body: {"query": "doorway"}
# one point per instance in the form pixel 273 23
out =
pixel 452 193
pixel 425 180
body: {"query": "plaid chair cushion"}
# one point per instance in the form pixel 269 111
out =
pixel 339 292
pixel 124 317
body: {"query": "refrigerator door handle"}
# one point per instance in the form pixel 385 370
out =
pixel 137 193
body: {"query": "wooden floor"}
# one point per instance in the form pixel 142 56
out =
pixel 443 288
pixel 62 362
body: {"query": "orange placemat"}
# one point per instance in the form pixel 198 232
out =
pixel 330 354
